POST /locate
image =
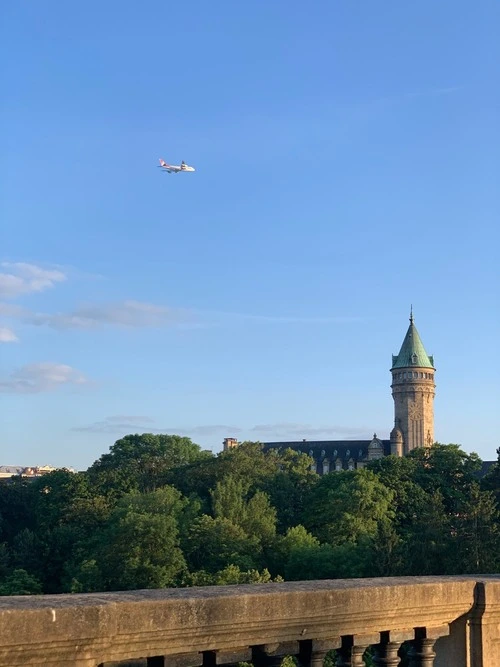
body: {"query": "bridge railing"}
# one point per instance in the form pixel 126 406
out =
pixel 448 622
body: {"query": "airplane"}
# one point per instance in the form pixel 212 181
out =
pixel 173 168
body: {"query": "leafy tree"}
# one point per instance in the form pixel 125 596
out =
pixel 147 458
pixel 140 550
pixel 295 539
pixel 426 547
pixel 384 556
pixel 213 544
pixel 16 507
pixel 289 485
pixel 446 469
pixel 491 481
pixel 348 506
pixel 84 577
pixel 26 552
pixel 19 582
pixel 228 499
pixel 325 561
pixel 53 495
pixel 260 519
pixel 255 515
pixel 4 560
pixel 476 544
pixel 283 474
pixel 138 547
pixel 230 575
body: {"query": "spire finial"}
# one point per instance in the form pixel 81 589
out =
pixel 411 314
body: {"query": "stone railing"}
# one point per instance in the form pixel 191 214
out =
pixel 443 621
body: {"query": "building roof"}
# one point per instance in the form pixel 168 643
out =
pixel 412 353
pixel 485 468
pixel 331 449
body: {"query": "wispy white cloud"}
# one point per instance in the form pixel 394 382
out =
pixel 7 335
pixel 129 314
pixel 135 419
pixel 299 431
pixel 122 424
pixel 22 278
pixel 280 431
pixel 41 377
pixel 125 314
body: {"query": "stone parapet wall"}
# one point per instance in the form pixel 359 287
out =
pixel 452 616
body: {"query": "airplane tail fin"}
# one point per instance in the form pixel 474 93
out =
pixel 162 162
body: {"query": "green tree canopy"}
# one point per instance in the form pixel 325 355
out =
pixel 348 506
pixel 213 544
pixel 147 458
pixel 139 547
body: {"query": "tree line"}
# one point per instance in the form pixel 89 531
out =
pixel 158 511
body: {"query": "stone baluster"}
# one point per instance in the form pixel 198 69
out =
pixel 313 652
pixel 421 653
pixel 351 651
pixel 386 651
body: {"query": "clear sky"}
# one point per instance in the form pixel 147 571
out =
pixel 347 165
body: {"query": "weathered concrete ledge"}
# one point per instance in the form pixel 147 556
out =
pixel 92 629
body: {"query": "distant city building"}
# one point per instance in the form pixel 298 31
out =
pixel 32 472
pixel 413 390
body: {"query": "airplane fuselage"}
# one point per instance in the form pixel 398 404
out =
pixel 175 168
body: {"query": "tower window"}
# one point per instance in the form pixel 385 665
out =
pixel 404 376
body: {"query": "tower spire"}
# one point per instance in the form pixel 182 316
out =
pixel 413 392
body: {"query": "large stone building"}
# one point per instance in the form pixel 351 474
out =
pixel 413 391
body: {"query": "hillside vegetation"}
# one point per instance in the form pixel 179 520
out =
pixel 158 511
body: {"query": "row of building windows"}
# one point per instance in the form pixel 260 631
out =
pixel 413 375
pixel 337 466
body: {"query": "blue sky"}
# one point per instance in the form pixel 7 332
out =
pixel 347 166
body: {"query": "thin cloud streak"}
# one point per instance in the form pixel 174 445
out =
pixel 127 314
pixel 288 431
pixel 136 314
pixel 123 424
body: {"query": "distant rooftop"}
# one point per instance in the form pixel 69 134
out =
pixel 7 471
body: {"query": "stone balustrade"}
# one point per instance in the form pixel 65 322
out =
pixel 444 622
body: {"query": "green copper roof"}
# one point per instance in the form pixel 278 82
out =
pixel 412 352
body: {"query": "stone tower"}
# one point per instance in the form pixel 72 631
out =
pixel 413 391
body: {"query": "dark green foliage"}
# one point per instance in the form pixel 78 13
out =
pixel 143 461
pixel 348 506
pixel 491 481
pixel 157 511
pixel 19 582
